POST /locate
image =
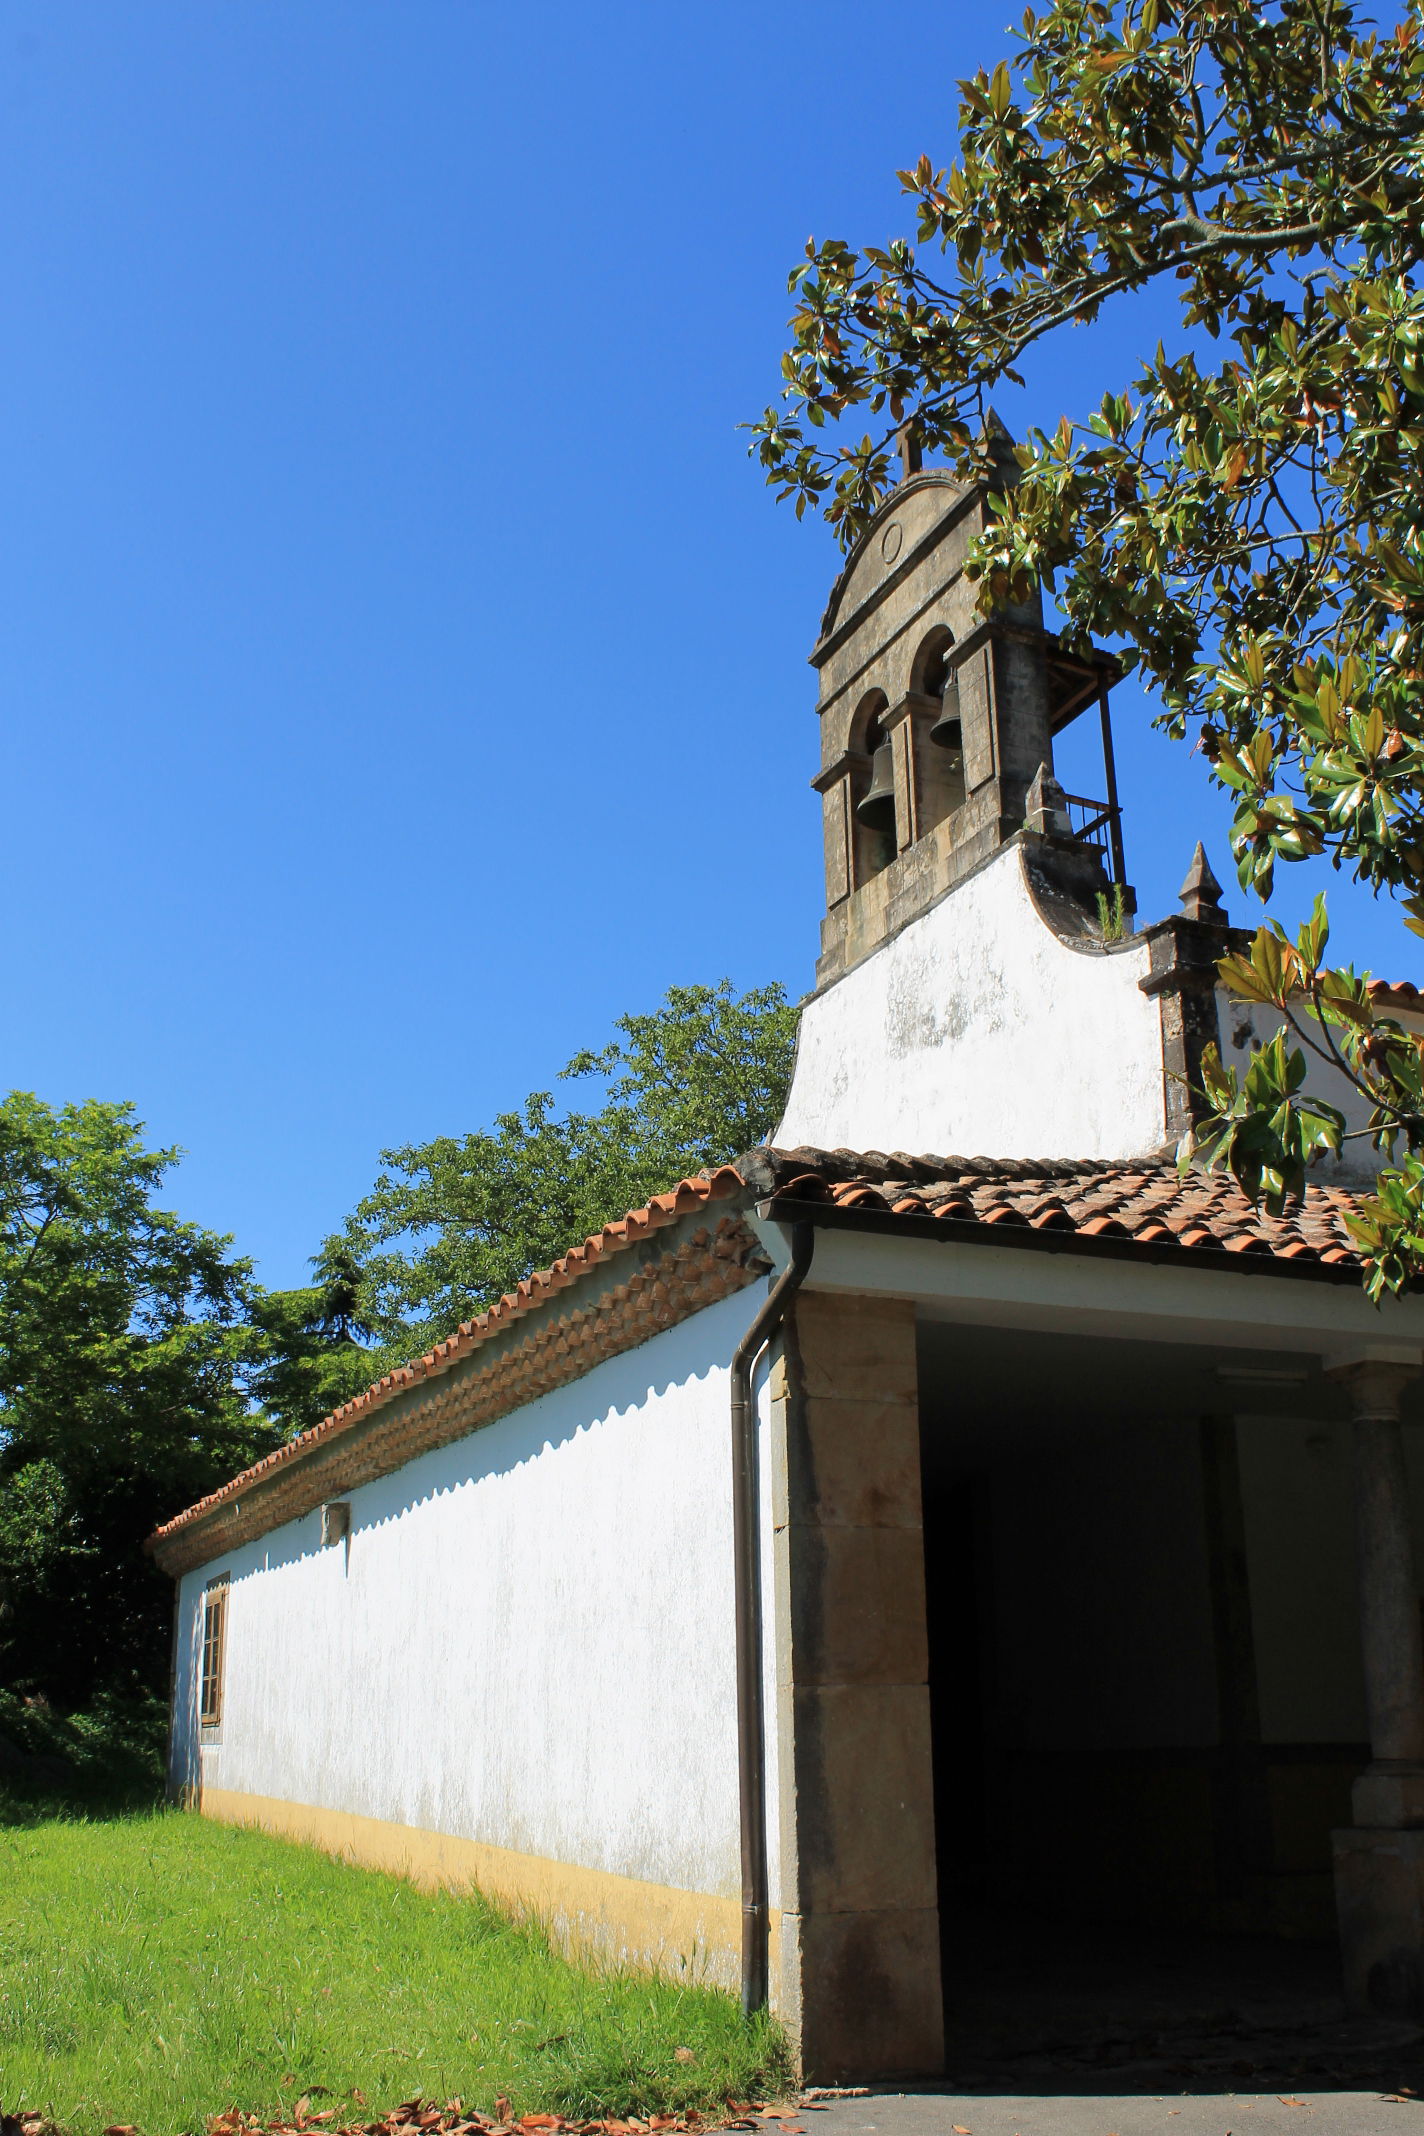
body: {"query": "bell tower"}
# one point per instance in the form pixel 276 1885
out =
pixel 937 727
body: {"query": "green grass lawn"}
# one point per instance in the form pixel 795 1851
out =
pixel 157 1968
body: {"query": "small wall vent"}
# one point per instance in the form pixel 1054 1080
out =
pixel 335 1522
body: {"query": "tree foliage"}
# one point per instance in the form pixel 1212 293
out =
pixel 452 1224
pixel 141 1366
pixel 307 1348
pixel 1248 529
pixel 122 1330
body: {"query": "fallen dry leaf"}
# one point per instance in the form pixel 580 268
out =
pixel 413 2117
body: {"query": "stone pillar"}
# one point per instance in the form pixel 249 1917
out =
pixel 1379 1861
pixel 859 1977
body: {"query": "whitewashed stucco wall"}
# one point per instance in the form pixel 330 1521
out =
pixel 979 1031
pixel 528 1642
pixel 1244 1025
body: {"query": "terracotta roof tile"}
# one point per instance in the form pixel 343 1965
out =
pixel 720 1185
pixel 1396 994
pixel 1129 1204
pixel 1136 1202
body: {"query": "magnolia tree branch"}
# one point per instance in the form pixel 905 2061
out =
pixel 1248 537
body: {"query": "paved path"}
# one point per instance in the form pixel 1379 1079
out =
pixel 1303 2113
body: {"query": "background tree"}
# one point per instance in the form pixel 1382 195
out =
pixel 1250 531
pixel 141 1366
pixel 454 1223
pixel 121 1338
pixel 308 1347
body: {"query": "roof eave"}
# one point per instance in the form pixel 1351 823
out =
pixel 704 1251
pixel 965 1231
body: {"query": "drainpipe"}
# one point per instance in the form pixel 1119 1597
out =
pixel 746 1546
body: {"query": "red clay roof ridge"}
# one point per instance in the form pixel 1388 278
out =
pixel 718 1183
pixel 1140 1199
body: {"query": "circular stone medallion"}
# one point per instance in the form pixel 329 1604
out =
pixel 890 542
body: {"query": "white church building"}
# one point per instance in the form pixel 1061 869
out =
pixel 857 1536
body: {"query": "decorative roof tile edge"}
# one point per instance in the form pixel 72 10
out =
pixel 1196 1248
pixel 824 1184
pixel 696 1271
pixel 1133 1207
pixel 536 1291
pixel 1397 994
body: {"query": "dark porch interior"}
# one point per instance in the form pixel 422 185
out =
pixel 1147 1710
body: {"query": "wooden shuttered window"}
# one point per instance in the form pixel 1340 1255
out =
pixel 210 1690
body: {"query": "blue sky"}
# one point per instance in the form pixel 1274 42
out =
pixel 403 666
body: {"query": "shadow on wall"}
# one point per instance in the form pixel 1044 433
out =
pixel 691 1358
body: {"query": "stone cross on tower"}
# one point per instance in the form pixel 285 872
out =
pixel 911 453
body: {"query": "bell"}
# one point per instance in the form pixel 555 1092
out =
pixel 947 731
pixel 876 806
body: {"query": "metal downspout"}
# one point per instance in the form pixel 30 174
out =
pixel 746 1547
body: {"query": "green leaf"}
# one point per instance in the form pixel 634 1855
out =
pixel 1240 523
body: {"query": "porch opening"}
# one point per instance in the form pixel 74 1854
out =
pixel 1147 1704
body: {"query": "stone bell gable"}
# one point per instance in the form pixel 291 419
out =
pixel 999 1020
pixel 935 723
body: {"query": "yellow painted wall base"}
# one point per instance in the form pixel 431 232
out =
pixel 690 1933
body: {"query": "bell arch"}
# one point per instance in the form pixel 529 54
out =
pixel 973 702
pixel 930 668
pixel 872 806
pixel 866 718
pixel 934 701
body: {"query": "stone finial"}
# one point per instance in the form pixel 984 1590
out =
pixel 1200 894
pixel 996 441
pixel 1046 806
